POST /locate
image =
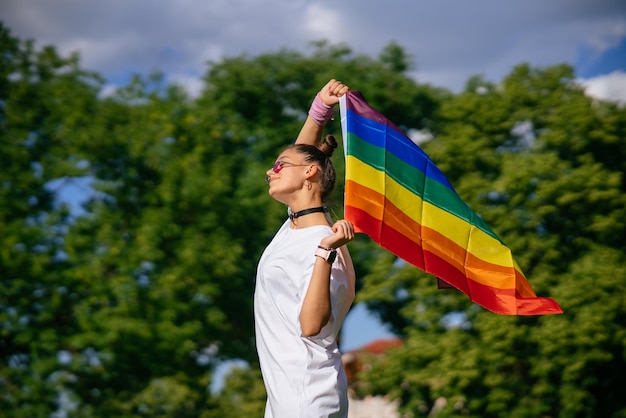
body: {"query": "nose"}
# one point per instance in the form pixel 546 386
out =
pixel 267 175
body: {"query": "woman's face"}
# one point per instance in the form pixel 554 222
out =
pixel 287 175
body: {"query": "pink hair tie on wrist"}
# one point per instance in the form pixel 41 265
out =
pixel 320 112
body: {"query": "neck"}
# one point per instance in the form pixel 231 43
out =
pixel 305 218
pixel 295 215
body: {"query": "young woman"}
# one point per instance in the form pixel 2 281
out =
pixel 305 279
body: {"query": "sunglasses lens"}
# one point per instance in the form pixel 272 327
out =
pixel 277 167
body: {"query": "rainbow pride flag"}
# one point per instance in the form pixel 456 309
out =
pixel 397 196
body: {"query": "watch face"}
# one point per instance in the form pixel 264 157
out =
pixel 332 256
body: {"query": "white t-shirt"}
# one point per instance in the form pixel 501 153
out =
pixel 304 376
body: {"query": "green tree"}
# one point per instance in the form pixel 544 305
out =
pixel 45 101
pixel 539 161
pixel 166 269
pixel 243 395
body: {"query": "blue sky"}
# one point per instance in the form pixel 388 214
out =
pixel 589 64
pixel 450 40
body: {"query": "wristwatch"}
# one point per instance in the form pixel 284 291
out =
pixel 328 254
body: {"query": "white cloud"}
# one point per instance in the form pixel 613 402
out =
pixel 608 35
pixel 607 87
pixel 192 85
pixel 323 22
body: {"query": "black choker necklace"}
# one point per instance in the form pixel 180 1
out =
pixel 295 215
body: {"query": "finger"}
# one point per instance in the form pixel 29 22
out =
pixel 339 89
pixel 349 233
pixel 328 87
pixel 344 229
pixel 347 230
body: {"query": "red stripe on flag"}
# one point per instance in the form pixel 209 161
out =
pixel 501 301
pixel 433 241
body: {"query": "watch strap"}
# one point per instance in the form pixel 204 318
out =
pixel 328 254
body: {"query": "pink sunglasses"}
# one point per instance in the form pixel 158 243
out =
pixel 279 165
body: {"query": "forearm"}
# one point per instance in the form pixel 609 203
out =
pixel 316 307
pixel 311 132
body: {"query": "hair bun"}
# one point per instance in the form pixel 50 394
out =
pixel 328 145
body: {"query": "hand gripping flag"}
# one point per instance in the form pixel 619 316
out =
pixel 397 196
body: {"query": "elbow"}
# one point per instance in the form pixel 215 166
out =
pixel 313 327
pixel 311 331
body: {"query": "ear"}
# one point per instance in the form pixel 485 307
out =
pixel 311 171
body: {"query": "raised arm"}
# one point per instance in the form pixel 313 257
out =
pixel 321 111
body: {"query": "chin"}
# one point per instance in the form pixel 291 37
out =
pixel 273 193
pixel 276 196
